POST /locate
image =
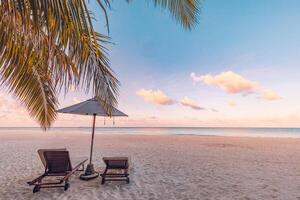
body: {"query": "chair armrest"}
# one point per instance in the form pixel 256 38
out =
pixel 74 170
pixel 36 180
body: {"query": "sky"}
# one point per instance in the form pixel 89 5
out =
pixel 239 67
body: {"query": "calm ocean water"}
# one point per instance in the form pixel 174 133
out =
pixel 252 132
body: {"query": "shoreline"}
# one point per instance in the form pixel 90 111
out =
pixel 182 131
pixel 22 132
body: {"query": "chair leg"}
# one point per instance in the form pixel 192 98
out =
pixel 103 176
pixel 67 185
pixel 127 178
pixel 36 188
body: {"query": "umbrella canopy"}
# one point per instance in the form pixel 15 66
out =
pixel 94 108
pixel 90 107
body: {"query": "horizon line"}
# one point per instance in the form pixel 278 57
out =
pixel 262 127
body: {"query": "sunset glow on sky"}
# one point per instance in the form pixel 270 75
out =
pixel 238 67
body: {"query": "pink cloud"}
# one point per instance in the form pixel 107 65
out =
pixel 195 78
pixel 3 99
pixel 270 95
pixel 72 88
pixel 155 96
pixel 190 103
pixel 10 108
pixel 228 81
pixel 76 100
pixel 231 103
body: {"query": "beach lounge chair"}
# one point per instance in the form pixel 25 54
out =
pixel 57 163
pixel 116 169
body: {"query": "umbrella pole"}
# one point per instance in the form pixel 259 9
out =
pixel 92 142
pixel 90 173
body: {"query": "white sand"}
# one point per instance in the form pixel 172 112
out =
pixel 165 167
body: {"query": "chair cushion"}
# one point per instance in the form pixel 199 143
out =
pixel 116 162
pixel 58 161
pixel 41 154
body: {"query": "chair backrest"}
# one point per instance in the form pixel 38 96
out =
pixel 42 157
pixel 57 161
pixel 116 162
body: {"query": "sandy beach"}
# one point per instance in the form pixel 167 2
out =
pixel 164 167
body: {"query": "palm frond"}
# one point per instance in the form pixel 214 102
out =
pixel 24 73
pixel 185 11
pixel 52 45
pixel 48 45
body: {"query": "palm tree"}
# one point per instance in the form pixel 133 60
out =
pixel 46 46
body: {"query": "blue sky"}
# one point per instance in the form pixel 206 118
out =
pixel 254 44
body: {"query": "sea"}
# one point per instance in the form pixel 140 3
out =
pixel 179 131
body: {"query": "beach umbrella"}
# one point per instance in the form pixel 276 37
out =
pixel 94 108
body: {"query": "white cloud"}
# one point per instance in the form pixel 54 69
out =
pixel 75 100
pixel 155 96
pixel 270 95
pixel 213 110
pixel 231 103
pixel 72 88
pixel 190 103
pixel 228 81
pixel 195 78
pixel 10 108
